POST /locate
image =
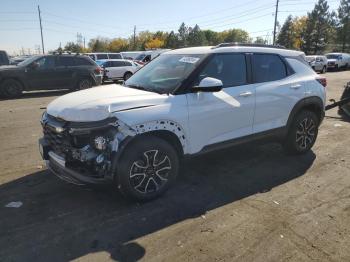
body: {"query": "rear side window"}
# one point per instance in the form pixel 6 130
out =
pixel 102 56
pixel 114 56
pixel 267 67
pixel 118 63
pixel 231 69
pixel 126 63
pixel 65 61
pixel 80 61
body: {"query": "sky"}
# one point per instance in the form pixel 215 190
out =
pixel 63 19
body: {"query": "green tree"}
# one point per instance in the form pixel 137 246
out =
pixel 343 29
pixel 196 37
pixel 260 40
pixel 99 44
pixel 286 36
pixel 172 41
pixel 234 35
pixel 318 29
pixel 72 47
pixel 212 37
pixel 183 34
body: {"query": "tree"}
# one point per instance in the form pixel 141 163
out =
pixel 318 29
pixel 260 40
pixel 172 41
pixel 212 37
pixel 286 36
pixel 154 43
pixel 99 44
pixel 234 35
pixel 72 47
pixel 196 37
pixel 343 29
pixel 299 26
pixel 118 45
pixel 183 34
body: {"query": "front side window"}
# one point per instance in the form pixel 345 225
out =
pixel 118 63
pixel 165 73
pixel 229 68
pixel 46 62
pixel 268 67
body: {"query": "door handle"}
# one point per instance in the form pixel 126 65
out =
pixel 295 86
pixel 245 94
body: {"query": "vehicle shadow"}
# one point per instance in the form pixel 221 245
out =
pixel 37 94
pixel 61 222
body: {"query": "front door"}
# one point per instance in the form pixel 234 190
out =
pixel 41 73
pixel 216 117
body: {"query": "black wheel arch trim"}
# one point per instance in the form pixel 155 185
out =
pixel 313 102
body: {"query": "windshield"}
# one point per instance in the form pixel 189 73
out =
pixel 165 73
pixel 333 56
pixel 99 62
pixel 29 60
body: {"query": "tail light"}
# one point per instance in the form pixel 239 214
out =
pixel 98 70
pixel 322 81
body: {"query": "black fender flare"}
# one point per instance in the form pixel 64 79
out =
pixel 313 103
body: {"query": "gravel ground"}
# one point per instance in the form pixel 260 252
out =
pixel 249 203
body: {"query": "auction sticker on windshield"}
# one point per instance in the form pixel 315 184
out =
pixel 189 59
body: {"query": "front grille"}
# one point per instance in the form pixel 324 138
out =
pixel 57 141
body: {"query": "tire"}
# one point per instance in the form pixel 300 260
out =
pixel 84 83
pixel 302 133
pixel 336 68
pixel 127 75
pixel 324 70
pixel 11 88
pixel 147 168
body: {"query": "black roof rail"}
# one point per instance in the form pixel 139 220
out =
pixel 248 45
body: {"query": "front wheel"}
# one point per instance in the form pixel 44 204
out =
pixel 302 133
pixel 324 70
pixel 147 168
pixel 11 88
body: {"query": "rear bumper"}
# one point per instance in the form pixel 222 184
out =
pixel 57 165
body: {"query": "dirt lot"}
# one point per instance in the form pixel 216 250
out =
pixel 250 203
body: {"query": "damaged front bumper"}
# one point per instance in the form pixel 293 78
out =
pixel 81 153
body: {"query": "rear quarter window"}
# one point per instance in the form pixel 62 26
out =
pixel 114 56
pixel 80 61
pixel 268 67
pixel 102 56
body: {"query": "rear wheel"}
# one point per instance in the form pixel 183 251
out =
pixel 84 83
pixel 147 168
pixel 11 88
pixel 127 75
pixel 302 133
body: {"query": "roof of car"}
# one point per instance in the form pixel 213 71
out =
pixel 235 48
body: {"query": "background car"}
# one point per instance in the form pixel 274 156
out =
pixel 99 56
pixel 147 56
pixel 337 61
pixel 318 63
pixel 118 69
pixel 4 59
pixel 45 72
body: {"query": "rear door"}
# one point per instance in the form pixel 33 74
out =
pixel 278 89
pixel 116 70
pixel 65 71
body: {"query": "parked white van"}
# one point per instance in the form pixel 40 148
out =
pixel 100 56
pixel 337 61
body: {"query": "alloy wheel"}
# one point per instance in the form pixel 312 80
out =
pixel 150 173
pixel 305 135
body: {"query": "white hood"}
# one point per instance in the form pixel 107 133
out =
pixel 98 103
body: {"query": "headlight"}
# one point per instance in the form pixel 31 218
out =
pixel 100 143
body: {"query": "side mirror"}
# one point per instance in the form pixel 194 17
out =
pixel 209 84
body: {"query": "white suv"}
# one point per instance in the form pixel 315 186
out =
pixel 185 102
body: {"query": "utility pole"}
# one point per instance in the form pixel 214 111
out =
pixel 84 43
pixel 274 28
pixel 134 37
pixel 41 31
